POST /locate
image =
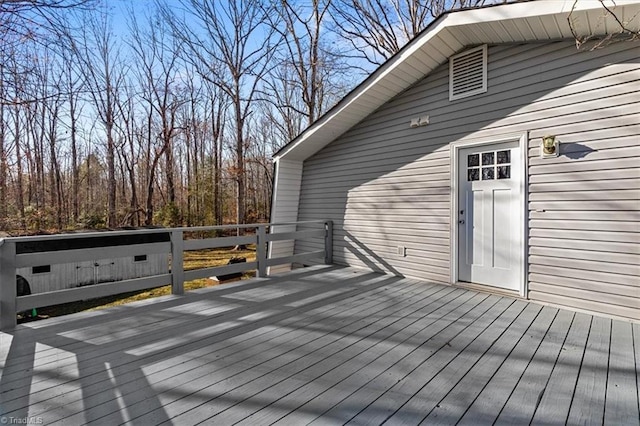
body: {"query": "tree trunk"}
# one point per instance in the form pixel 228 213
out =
pixel 75 178
pixel 19 183
pixel 3 156
pixel 111 175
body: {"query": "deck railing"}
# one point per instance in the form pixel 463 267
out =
pixel 21 252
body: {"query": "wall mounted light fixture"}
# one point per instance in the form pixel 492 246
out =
pixel 550 147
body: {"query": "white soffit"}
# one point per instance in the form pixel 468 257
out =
pixel 542 20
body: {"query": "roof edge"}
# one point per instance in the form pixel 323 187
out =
pixel 452 18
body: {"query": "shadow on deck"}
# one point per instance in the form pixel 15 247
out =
pixel 326 345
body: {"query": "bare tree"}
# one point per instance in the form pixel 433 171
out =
pixel 51 118
pixel 230 44
pixel 218 106
pixel 104 73
pixel 303 54
pixel 4 168
pixel 377 29
pixel 73 85
pixel 157 60
pixel 36 22
pixel 15 126
pixel 203 131
pixel 309 75
pixel 129 154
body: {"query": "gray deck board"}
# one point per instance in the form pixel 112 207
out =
pixel 424 404
pixel 125 364
pixel 88 352
pixel 589 396
pixel 362 380
pixel 317 381
pixel 141 398
pixel 621 384
pixel 254 362
pixel 332 348
pixel 556 399
pixel 524 399
pixel 428 363
pixel 481 406
pixel 323 345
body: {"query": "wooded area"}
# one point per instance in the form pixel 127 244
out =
pixel 168 114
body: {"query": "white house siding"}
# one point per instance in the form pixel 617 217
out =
pixel 386 185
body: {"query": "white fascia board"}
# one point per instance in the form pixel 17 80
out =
pixel 334 124
pixel 540 8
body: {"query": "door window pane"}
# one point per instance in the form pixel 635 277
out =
pixel 487 158
pixel 487 173
pixel 473 160
pixel 473 174
pixel 504 156
pixel 504 172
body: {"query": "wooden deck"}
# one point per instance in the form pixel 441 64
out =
pixel 323 345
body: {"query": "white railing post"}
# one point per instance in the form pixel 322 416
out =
pixel 177 262
pixel 328 243
pixel 8 293
pixel 261 250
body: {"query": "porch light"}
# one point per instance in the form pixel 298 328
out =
pixel 550 147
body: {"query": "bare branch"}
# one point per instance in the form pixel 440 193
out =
pixel 624 33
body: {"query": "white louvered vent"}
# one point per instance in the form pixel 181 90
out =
pixel 468 73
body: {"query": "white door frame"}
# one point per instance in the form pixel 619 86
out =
pixel 522 139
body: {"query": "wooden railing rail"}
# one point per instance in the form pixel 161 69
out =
pixel 13 256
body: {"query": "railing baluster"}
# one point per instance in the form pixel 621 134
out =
pixel 261 250
pixel 8 293
pixel 328 243
pixel 177 262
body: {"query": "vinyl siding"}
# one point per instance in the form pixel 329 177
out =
pixel 386 185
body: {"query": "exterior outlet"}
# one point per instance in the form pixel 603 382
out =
pixel 402 251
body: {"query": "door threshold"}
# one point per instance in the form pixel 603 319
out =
pixel 489 289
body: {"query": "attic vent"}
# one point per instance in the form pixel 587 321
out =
pixel 468 73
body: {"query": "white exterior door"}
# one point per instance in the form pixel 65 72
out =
pixel 489 217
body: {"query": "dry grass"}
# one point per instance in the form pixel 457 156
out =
pixel 192 260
